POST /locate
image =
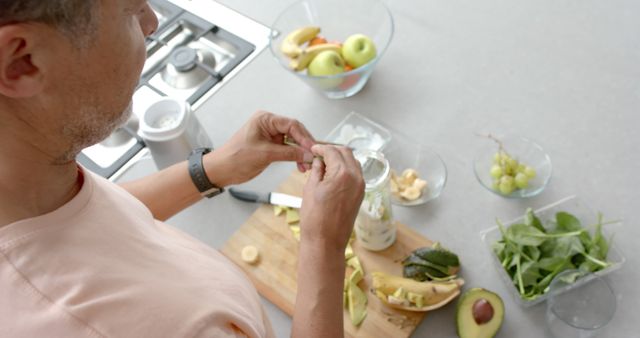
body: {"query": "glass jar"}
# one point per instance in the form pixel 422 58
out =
pixel 375 228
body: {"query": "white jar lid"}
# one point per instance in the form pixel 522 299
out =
pixel 164 120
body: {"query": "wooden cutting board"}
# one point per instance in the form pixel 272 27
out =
pixel 275 274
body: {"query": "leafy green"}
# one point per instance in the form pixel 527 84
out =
pixel 533 253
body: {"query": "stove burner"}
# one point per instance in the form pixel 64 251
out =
pixel 188 67
pixel 183 59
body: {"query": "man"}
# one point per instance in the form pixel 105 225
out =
pixel 81 256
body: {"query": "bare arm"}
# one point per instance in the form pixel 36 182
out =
pixel 331 200
pixel 256 145
pixel 171 190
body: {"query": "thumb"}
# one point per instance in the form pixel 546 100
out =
pixel 317 172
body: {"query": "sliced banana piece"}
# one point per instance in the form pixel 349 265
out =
pixel 411 193
pixel 409 176
pixel 407 186
pixel 250 254
pixel 419 184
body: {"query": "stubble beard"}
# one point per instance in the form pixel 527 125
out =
pixel 89 128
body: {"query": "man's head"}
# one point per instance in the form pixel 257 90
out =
pixel 68 69
pixel 70 16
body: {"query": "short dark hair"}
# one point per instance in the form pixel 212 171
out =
pixel 74 18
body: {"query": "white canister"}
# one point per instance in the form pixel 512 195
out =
pixel 170 131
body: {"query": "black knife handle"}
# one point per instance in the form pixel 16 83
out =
pixel 247 196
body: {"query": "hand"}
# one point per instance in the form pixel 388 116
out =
pixel 331 198
pixel 257 144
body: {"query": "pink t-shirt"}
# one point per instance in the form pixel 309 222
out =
pixel 101 266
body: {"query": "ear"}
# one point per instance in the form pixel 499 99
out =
pixel 19 77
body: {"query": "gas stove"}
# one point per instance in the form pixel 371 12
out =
pixel 189 57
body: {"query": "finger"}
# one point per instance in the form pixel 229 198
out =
pixel 350 160
pixel 329 153
pixel 279 152
pixel 333 160
pixel 302 136
pixel 317 172
pixel 291 127
pixel 301 167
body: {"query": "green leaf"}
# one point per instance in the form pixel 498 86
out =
pixel 567 246
pixel 498 249
pixel 532 252
pixel 566 222
pixel 547 248
pixel 531 219
pixel 599 240
pixel 525 235
pixel 571 277
pixel 560 266
pixel 552 263
pixel 530 273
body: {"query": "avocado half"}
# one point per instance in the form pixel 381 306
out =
pixel 479 314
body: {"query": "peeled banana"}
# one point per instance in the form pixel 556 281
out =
pixel 250 254
pixel 415 296
pixel 305 57
pixel 291 44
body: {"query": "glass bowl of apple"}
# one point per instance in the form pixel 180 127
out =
pixel 512 166
pixel 332 45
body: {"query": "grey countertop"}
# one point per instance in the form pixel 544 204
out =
pixel 564 73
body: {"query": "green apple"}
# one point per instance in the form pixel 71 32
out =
pixel 358 49
pixel 326 63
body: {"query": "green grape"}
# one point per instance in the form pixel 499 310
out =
pixel 530 172
pixel 512 164
pixel 506 184
pixel 522 181
pixel 521 168
pixel 495 185
pixel 496 171
pixel 496 158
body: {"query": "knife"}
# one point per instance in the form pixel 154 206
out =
pixel 274 198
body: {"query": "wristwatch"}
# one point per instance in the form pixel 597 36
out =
pixel 199 176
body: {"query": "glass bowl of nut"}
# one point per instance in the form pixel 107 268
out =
pixel 418 174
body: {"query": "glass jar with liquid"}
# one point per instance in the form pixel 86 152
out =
pixel 374 227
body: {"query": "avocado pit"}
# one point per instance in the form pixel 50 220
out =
pixel 482 311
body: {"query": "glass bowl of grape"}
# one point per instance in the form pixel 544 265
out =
pixel 512 166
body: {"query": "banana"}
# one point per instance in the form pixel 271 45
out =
pixel 307 54
pixel 291 44
pixel 431 295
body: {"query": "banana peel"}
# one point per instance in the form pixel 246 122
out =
pixel 434 294
pixel 291 44
pixel 357 303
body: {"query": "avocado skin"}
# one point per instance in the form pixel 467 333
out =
pixel 427 263
pixel 419 272
pixel 438 256
pixel 472 296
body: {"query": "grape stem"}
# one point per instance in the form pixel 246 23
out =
pixel 495 139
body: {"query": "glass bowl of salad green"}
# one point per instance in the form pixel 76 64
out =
pixel 530 251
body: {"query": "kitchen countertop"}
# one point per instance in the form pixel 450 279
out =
pixel 564 73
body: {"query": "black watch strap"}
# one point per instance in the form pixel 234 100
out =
pixel 199 176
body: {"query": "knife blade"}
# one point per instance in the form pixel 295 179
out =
pixel 274 198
